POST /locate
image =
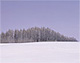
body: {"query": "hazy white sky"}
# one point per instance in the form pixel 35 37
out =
pixel 61 16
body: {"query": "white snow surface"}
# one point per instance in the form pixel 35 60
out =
pixel 40 52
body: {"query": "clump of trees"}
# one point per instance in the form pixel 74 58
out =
pixel 34 34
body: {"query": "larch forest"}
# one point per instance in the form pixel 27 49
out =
pixel 34 34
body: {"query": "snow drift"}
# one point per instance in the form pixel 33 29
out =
pixel 40 52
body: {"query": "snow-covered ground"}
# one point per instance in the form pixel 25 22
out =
pixel 40 52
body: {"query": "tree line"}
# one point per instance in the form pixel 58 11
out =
pixel 34 34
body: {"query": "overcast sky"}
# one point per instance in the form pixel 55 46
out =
pixel 61 16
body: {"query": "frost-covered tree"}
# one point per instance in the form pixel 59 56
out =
pixel 10 36
pixel 3 37
pixel 16 36
pixel 34 34
pixel 0 38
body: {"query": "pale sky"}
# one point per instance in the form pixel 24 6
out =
pixel 61 16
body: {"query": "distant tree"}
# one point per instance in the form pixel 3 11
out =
pixel 19 35
pixel 9 36
pixel 34 34
pixel 16 36
pixel 3 37
pixel 0 38
pixel 24 36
